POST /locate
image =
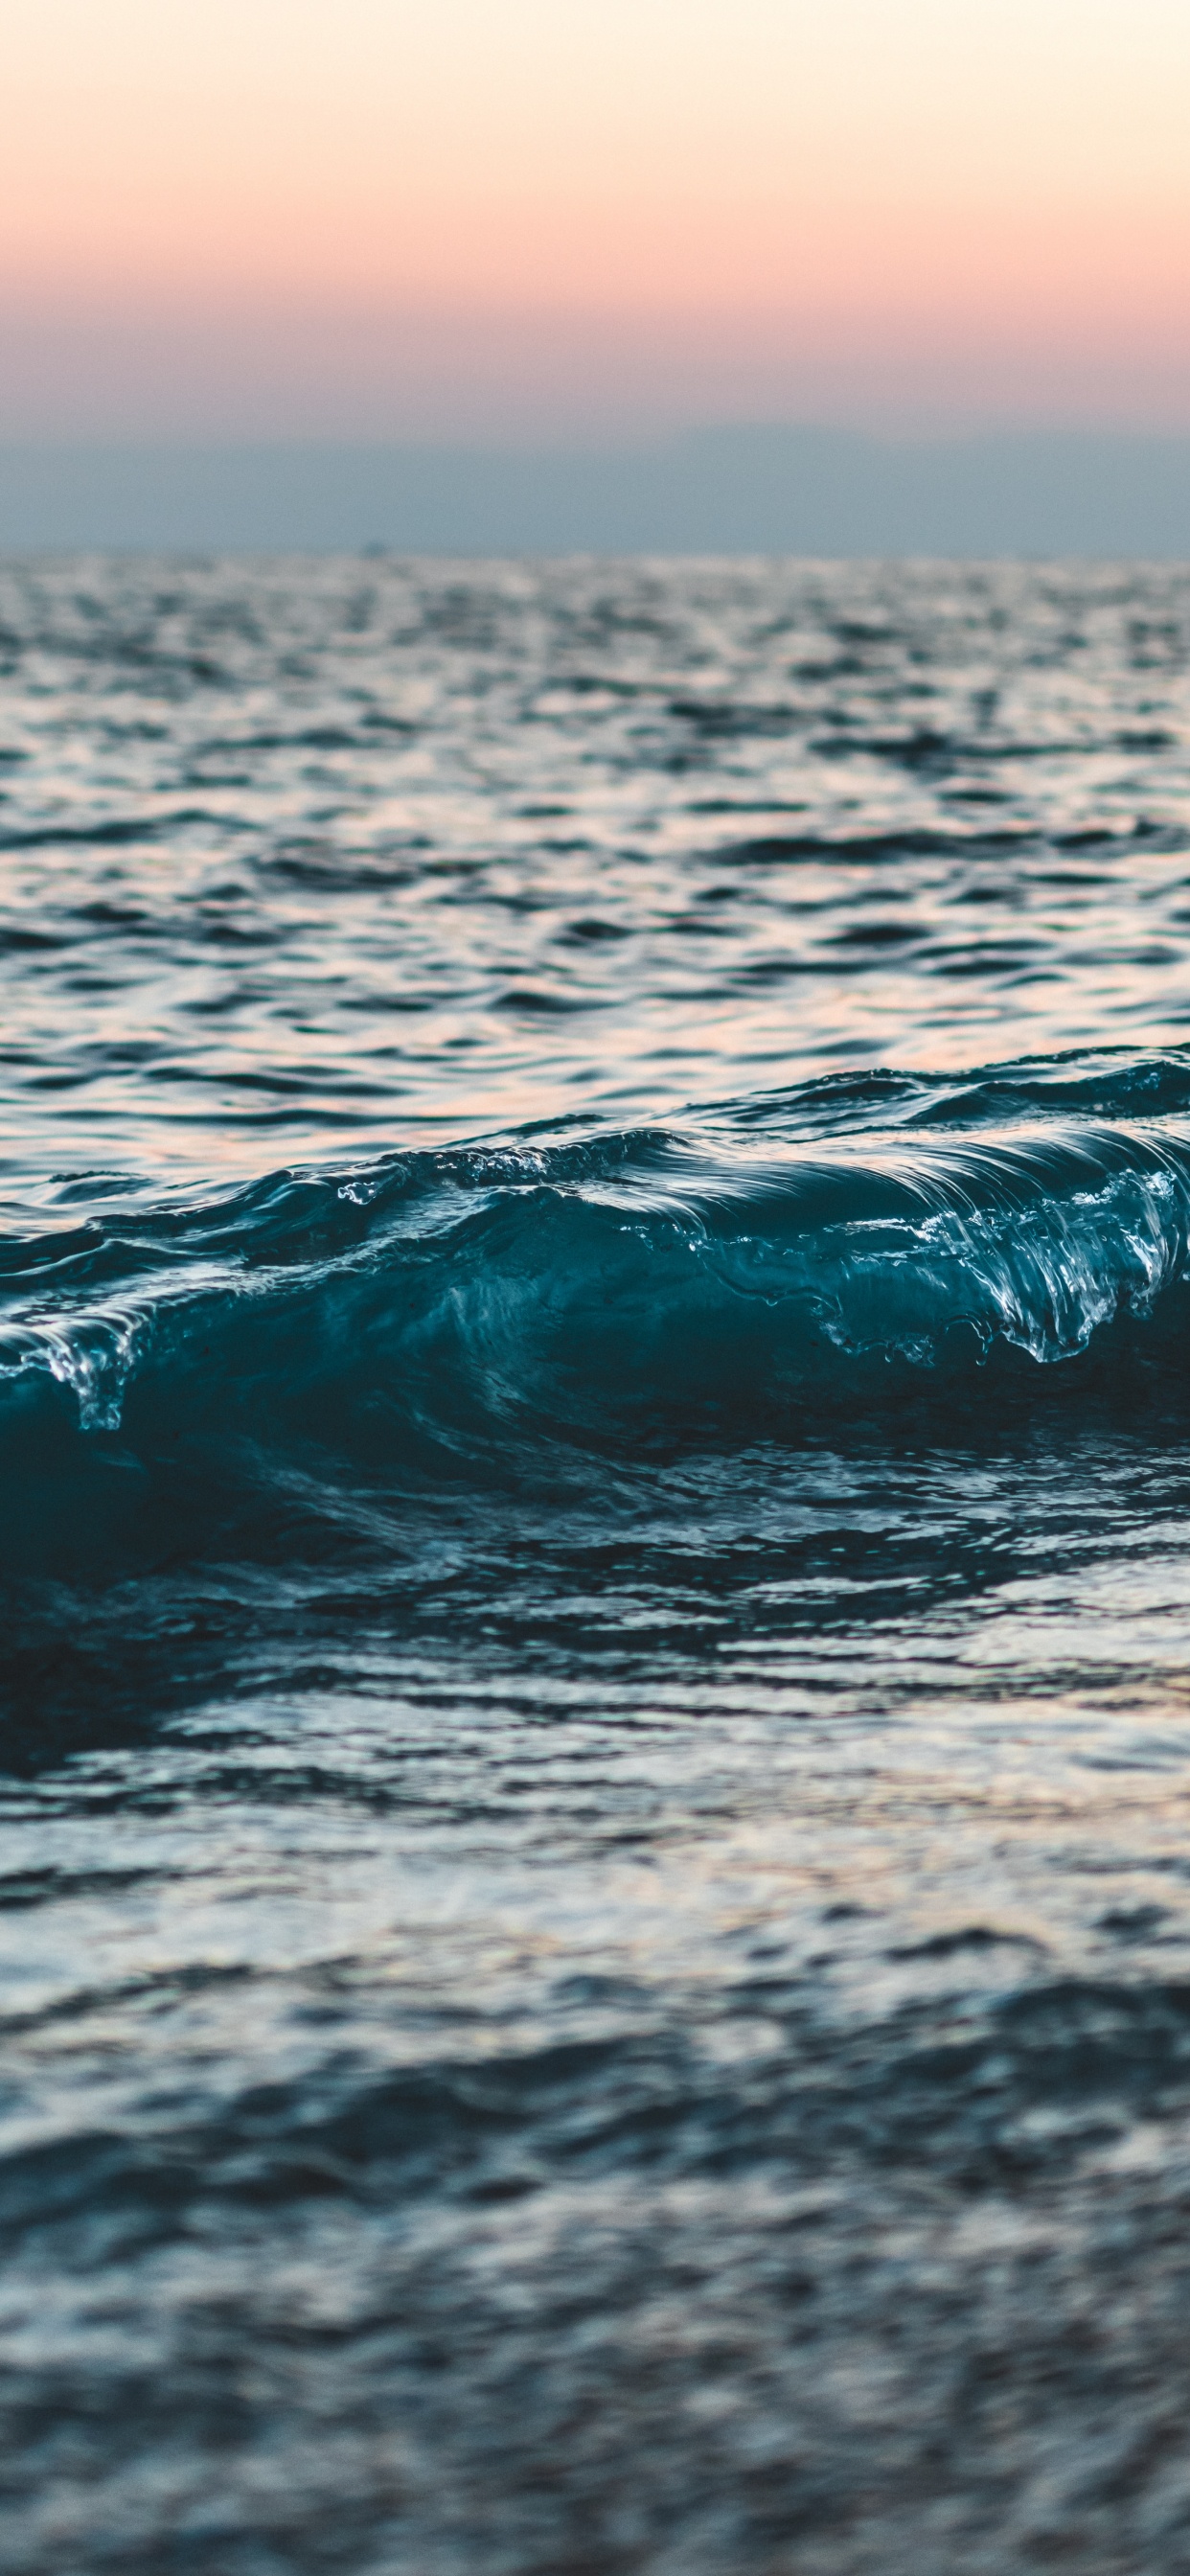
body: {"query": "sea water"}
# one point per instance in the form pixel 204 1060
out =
pixel 594 1463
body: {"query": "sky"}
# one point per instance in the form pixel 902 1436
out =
pixel 534 219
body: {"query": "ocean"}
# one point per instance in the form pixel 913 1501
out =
pixel 595 1421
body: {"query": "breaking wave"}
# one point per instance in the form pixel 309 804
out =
pixel 500 1313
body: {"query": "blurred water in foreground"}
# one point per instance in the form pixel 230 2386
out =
pixel 595 1415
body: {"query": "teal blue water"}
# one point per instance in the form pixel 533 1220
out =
pixel 594 1460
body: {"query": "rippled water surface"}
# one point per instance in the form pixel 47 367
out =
pixel 595 1444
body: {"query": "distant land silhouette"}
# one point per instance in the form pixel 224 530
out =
pixel 730 490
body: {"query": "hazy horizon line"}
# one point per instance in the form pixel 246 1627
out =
pixel 600 439
pixel 715 487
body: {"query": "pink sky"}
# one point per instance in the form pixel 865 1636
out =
pixel 380 217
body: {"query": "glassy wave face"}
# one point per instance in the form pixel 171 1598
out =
pixel 594 1462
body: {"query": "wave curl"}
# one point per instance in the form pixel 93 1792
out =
pixel 410 1315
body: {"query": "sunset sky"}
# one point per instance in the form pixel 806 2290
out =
pixel 535 217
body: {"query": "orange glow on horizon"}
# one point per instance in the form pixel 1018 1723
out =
pixel 769 175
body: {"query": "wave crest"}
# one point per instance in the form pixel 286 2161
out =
pixel 589 1285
